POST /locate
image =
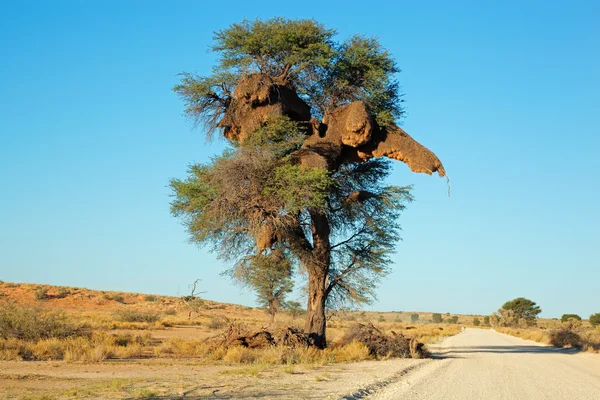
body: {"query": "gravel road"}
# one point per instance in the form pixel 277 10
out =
pixel 483 364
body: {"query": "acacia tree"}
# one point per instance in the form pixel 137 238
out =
pixel 519 311
pixel 270 275
pixel 308 120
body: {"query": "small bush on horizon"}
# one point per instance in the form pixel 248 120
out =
pixel 41 293
pixel 566 317
pixel 150 297
pixel 486 320
pixel 436 318
pixel 595 319
pixel 476 321
pixel 414 318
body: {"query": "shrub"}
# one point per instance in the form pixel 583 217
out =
pixel 595 319
pixel 30 323
pixel 63 292
pixel 476 321
pixel 115 297
pixel 564 337
pixel 136 316
pixel 566 317
pixel 216 323
pixel 41 293
pixel 486 320
pixel 414 318
pixel 452 320
pixel 381 318
pixel 150 297
pixel 436 317
pixel 170 311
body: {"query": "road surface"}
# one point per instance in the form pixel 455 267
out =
pixel 483 364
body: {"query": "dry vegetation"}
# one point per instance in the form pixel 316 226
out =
pixel 43 327
pixel 570 334
pixel 39 322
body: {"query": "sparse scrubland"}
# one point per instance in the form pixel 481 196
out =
pixel 71 326
pixel 91 326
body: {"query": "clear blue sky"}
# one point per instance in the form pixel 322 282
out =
pixel 505 94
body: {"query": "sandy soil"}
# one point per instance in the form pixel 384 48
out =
pixel 177 379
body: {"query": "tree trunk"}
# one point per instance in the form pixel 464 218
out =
pixel 315 311
pixel 318 271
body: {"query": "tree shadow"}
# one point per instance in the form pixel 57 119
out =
pixel 455 352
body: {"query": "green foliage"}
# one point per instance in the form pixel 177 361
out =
pixel 486 320
pixel 414 318
pixel 150 297
pixel 519 312
pixel 452 320
pixel 363 70
pixel 476 321
pixel 294 308
pixel 595 319
pixel 566 317
pixel 277 46
pixel 63 292
pixel 297 189
pixel 436 318
pixel 270 275
pixel 41 293
pixel 31 323
pixel 302 53
pixel 130 315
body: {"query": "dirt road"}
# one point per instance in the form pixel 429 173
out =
pixel 482 364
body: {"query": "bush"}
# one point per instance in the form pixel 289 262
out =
pixel 63 292
pixel 29 323
pixel 150 297
pixel 564 337
pixel 216 323
pixel 595 319
pixel 414 318
pixel 566 317
pixel 476 321
pixel 136 316
pixel 170 311
pixel 486 320
pixel 40 293
pixel 115 297
pixel 436 318
pixel 452 320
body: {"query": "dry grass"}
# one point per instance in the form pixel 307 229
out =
pixel 560 334
pixel 95 326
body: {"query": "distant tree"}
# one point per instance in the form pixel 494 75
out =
pixel 436 318
pixel 294 308
pixel 595 319
pixel 476 321
pixel 270 275
pixel 566 317
pixel 519 312
pixel 486 320
pixel 452 320
pixel 414 318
